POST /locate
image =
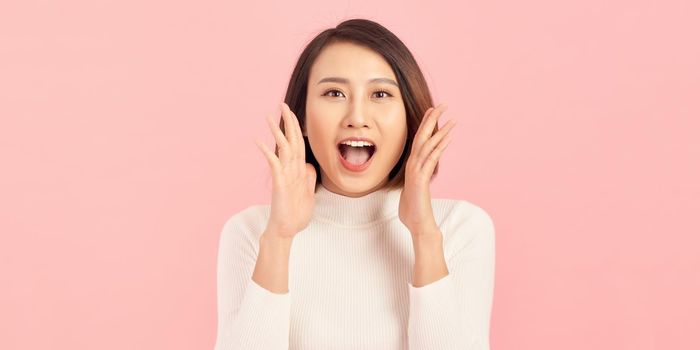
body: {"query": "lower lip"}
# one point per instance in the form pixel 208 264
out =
pixel 354 167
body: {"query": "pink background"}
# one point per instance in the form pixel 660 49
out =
pixel 127 139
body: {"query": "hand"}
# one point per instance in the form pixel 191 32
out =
pixel 415 210
pixel 294 180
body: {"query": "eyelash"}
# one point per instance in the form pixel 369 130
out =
pixel 331 90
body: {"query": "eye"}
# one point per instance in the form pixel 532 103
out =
pixel 387 94
pixel 384 92
pixel 331 90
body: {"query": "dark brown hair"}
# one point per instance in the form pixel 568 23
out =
pixel 367 33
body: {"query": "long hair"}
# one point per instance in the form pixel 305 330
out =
pixel 412 84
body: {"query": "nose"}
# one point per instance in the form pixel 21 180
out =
pixel 356 116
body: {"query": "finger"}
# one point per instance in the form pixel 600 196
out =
pixel 430 144
pixel 299 138
pixel 416 139
pixel 272 159
pixel 422 124
pixel 429 166
pixel 302 143
pixel 289 127
pixel 415 144
pixel 281 141
pixel 428 126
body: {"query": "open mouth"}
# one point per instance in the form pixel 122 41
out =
pixel 356 157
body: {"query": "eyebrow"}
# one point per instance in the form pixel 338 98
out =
pixel 346 81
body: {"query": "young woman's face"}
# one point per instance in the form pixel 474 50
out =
pixel 353 92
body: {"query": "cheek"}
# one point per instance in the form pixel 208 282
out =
pixel 395 131
pixel 319 138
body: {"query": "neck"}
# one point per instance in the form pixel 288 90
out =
pixel 369 208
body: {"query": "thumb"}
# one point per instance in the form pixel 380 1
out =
pixel 310 176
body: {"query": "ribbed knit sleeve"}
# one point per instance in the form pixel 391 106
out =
pixel 249 316
pixel 454 312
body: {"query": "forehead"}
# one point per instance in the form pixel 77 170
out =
pixel 350 61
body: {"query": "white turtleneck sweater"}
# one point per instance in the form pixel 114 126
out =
pixel 350 280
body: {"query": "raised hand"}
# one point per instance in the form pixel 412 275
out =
pixel 294 180
pixel 415 210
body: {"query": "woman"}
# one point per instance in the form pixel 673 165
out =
pixel 353 253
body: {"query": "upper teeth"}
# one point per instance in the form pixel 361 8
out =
pixel 357 143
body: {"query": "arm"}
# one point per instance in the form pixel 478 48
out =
pixel 253 301
pixel 453 311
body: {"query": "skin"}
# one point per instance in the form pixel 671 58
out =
pixel 355 108
pixel 358 107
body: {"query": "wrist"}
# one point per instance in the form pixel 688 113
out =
pixel 429 232
pixel 276 236
pixel 277 232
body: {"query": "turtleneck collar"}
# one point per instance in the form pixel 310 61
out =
pixel 356 211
